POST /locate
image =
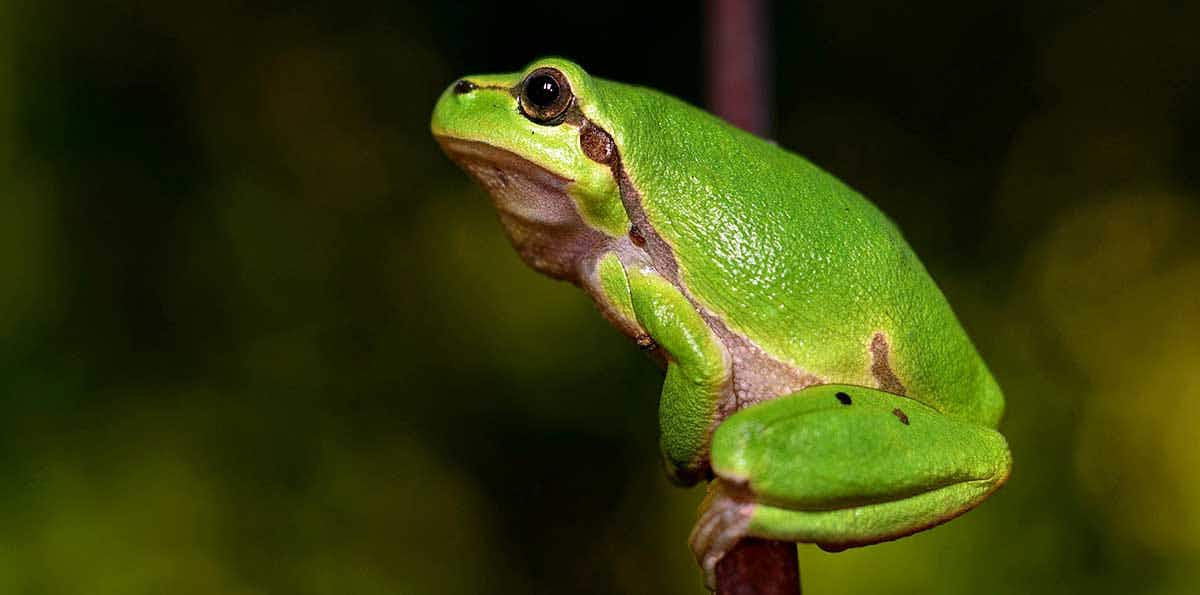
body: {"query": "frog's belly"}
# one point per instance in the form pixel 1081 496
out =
pixel 755 375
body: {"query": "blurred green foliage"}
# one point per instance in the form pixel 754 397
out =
pixel 258 336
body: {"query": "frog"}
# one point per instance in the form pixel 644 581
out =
pixel 816 376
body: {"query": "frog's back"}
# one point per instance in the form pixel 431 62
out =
pixel 793 259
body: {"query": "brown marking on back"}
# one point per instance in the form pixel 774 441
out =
pixel 662 257
pixel 636 237
pixel 900 416
pixel 881 369
pixel 754 375
pixel 596 143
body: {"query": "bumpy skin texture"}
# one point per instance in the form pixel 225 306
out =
pixel 815 373
pixel 790 257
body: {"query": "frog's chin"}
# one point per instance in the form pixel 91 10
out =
pixel 537 211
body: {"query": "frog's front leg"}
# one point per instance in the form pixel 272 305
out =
pixel 842 466
pixel 697 365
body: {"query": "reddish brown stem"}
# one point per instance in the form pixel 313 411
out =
pixel 738 90
pixel 759 567
pixel 739 86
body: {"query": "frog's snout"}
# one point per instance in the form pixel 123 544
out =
pixel 463 86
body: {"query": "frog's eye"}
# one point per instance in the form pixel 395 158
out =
pixel 545 96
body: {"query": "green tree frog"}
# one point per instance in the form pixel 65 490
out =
pixel 815 374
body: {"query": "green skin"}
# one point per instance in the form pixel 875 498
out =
pixel 814 371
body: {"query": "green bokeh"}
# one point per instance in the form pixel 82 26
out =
pixel 257 335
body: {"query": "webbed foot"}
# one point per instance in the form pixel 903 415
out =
pixel 723 522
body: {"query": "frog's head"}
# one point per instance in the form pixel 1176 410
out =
pixel 530 139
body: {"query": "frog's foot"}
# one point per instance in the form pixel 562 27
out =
pixel 723 521
pixel 842 466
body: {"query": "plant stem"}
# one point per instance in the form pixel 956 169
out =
pixel 739 85
pixel 759 567
pixel 739 88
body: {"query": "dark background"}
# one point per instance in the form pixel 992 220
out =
pixel 258 335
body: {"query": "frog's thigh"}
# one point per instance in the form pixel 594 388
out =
pixel 844 466
pixel 697 368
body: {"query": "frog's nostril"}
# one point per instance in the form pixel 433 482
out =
pixel 463 87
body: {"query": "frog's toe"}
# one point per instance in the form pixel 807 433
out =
pixel 723 522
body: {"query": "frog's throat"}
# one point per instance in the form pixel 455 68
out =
pixel 544 225
pixel 539 216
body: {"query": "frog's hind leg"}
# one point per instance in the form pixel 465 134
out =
pixel 842 466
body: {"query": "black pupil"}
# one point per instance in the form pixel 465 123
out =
pixel 542 91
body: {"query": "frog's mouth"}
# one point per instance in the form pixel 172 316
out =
pixel 535 206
